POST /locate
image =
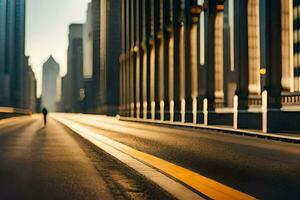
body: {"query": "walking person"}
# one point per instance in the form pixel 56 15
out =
pixel 45 113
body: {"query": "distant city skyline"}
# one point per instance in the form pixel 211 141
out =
pixel 47 24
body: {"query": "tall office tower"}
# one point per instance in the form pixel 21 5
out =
pixel 91 55
pixel 110 49
pixel 65 95
pixel 75 67
pixel 2 35
pixel 12 47
pixel 49 87
pixel 29 87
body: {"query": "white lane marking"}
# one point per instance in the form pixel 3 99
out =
pixel 110 146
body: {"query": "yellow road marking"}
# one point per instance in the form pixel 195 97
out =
pixel 204 185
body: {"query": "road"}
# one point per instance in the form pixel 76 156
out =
pixel 56 162
pixel 52 162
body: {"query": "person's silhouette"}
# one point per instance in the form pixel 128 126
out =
pixel 45 113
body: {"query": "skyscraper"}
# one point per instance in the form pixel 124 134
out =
pixel 110 48
pixel 49 88
pixel 2 35
pixel 29 87
pixel 75 67
pixel 12 45
pixel 91 55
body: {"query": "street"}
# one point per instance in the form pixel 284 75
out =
pixel 53 163
pixel 56 163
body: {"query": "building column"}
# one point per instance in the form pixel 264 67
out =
pixel 192 19
pixel 124 87
pixel 153 58
pixel 210 13
pixel 127 85
pixel 139 59
pixel 122 59
pixel 241 61
pixel 160 75
pixel 136 49
pixel 132 69
pixel 152 77
pixel 165 101
pixel 271 61
pixel 133 58
pixel 137 86
pixel 144 81
pixel 141 86
pixel 164 15
pixel 157 83
pixel 175 104
pixel 185 64
pixel 121 87
pixel 201 72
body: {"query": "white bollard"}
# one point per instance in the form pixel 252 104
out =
pixel 162 110
pixel 195 110
pixel 132 109
pixel 172 111
pixel 183 110
pixel 205 111
pixel 145 104
pixel 153 110
pixel 235 111
pixel 138 110
pixel 265 111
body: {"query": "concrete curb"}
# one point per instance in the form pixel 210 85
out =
pixel 257 134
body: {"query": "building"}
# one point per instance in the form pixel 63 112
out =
pixel 294 69
pixel 65 95
pixel 214 62
pixel 49 87
pixel 29 88
pixel 91 56
pixel 12 46
pixel 110 48
pixel 38 107
pixel 73 82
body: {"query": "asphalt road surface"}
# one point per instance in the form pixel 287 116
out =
pixel 52 162
pixel 261 168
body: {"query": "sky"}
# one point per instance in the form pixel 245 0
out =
pixel 47 24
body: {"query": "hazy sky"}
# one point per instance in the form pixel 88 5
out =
pixel 47 24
